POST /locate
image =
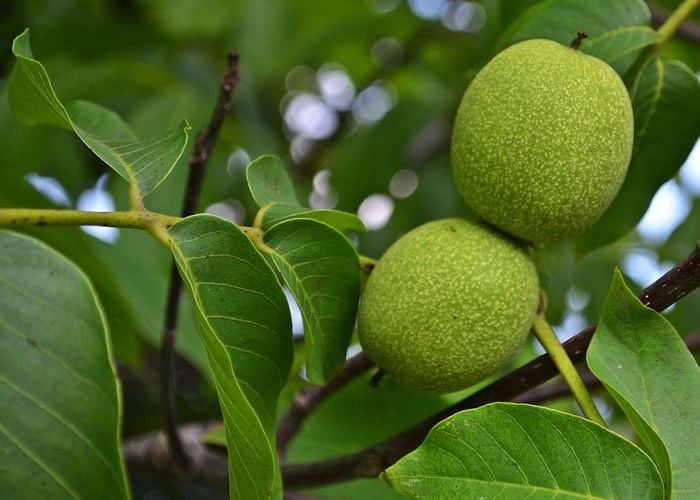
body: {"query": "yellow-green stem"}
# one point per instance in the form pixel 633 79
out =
pixel 256 235
pixel 155 223
pixel 367 263
pixel 666 31
pixel 675 20
pixel 550 342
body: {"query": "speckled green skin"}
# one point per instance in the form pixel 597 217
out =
pixel 448 305
pixel 542 141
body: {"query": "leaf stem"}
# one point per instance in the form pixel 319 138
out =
pixel 675 20
pixel 133 219
pixel 135 196
pixel 550 342
pixel 666 30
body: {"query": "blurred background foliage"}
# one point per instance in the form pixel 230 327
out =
pixel 356 96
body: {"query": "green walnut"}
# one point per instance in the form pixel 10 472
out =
pixel 448 305
pixel 542 140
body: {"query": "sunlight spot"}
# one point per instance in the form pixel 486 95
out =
pixel 403 183
pixel 469 17
pixel 373 103
pixel 232 210
pixel 49 187
pixel 428 9
pixel 299 148
pixel 690 171
pixel 335 86
pixel 98 200
pixel 323 195
pixel 577 300
pixel 237 163
pixel 309 116
pixel 669 207
pixel 375 211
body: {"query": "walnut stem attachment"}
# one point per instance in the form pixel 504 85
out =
pixel 576 42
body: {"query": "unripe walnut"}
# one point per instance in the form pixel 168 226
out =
pixel 542 140
pixel 448 305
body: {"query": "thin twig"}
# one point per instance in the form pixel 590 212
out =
pixel 670 288
pixel 307 399
pixel 204 143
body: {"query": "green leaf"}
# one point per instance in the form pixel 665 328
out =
pixel 245 322
pixel 273 191
pixel 649 371
pixel 560 20
pixel 340 221
pixel 61 409
pixel 321 269
pixel 142 163
pixel 509 450
pixel 269 183
pixel 334 429
pixel 666 98
pixel 620 47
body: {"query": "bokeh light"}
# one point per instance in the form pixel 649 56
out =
pixel 51 188
pixel 375 210
pixel 232 210
pixel 98 199
pixel 668 209
pixel 335 86
pixel 403 183
pixel 373 103
pixel 469 17
pixel 309 116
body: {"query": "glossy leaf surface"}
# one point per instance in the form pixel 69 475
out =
pixel 620 47
pixel 245 323
pixel 320 267
pixel 341 221
pixel 61 408
pixel 142 163
pixel 560 20
pixel 269 183
pixel 646 366
pixel 506 450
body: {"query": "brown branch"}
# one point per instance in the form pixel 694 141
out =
pixel 307 399
pixel 671 287
pixel 555 390
pixel 204 143
pixel 151 455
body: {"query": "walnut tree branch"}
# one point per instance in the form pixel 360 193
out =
pixel 204 143
pixel 670 288
pixel 146 454
pixel 307 399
